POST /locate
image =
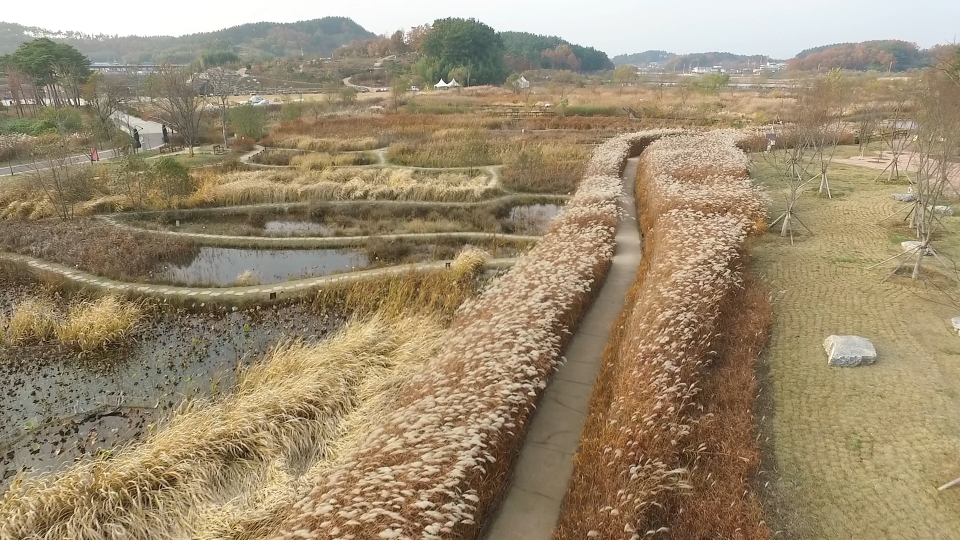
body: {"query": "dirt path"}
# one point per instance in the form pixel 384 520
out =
pixel 905 162
pixel 532 505
pixel 859 452
pixel 286 289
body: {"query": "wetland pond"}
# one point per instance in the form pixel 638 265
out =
pixel 58 409
pixel 219 267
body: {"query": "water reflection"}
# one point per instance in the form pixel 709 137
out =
pixel 215 266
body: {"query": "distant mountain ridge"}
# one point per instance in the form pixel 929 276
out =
pixel 883 55
pixel 252 41
pixel 676 62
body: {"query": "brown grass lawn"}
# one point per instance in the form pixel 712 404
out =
pixel 859 452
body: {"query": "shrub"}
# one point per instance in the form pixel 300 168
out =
pixel 380 251
pixel 242 143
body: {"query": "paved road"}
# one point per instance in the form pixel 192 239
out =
pixel 532 505
pixel 150 137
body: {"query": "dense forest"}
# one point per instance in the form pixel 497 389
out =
pixel 884 55
pixel 253 41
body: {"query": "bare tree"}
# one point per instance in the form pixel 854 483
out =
pixel 867 111
pixel 174 92
pixel 223 83
pixel 103 97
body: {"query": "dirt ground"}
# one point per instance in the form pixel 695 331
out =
pixel 905 162
pixel 859 452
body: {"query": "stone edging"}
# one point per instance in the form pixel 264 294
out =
pixel 256 293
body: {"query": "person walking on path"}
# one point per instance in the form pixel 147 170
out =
pixel 136 140
pixel 166 134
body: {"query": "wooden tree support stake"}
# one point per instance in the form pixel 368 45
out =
pixel 949 485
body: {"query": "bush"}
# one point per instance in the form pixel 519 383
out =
pixel 248 121
pixel 242 144
pixel 387 251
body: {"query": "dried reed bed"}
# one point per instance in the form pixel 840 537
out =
pixel 315 144
pixel 318 161
pixel 283 417
pixel 437 293
pixel 437 463
pixel 87 325
pixel 648 459
pixel 255 187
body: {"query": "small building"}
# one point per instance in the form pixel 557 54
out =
pixel 522 83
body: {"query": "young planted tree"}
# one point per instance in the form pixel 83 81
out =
pixel 789 158
pixel 174 92
pixel 892 131
pixel 821 107
pixel 936 159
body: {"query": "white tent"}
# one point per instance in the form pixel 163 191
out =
pixel 441 84
pixel 453 84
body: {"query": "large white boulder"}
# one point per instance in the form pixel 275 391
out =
pixel 849 351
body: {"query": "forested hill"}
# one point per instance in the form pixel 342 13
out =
pixel 883 55
pixel 533 51
pixel 252 41
pixel 644 57
pixel 676 62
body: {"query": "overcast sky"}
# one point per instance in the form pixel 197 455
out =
pixel 771 27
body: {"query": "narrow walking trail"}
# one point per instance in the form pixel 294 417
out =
pixel 227 294
pixel 532 505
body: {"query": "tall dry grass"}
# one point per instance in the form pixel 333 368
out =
pixel 213 459
pixel 87 325
pixel 340 184
pixel 316 144
pixel 647 463
pixel 318 161
pixel 94 324
pixel 437 462
pixel 33 319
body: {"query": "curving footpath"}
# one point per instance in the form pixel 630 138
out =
pixel 532 505
pixel 519 198
pixel 277 291
pixel 225 240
